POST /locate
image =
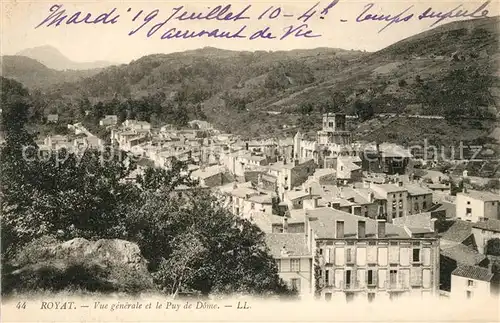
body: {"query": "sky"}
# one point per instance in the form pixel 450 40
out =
pixel 112 42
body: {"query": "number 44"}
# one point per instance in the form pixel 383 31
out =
pixel 21 305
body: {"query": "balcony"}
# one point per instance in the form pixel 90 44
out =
pixel 396 286
pixel 353 286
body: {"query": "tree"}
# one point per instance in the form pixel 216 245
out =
pixel 162 219
pixel 364 110
pixel 493 247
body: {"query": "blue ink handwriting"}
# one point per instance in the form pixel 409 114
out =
pixel 391 19
pixel 480 12
pixel 59 16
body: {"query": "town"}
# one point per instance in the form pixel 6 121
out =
pixel 343 220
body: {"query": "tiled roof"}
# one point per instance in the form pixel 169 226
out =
pixel 208 171
pixel 463 254
pixel 416 189
pixel 449 208
pixel 480 195
pixel 458 232
pixel 322 220
pixel 488 224
pixel 294 243
pixel 473 272
pixel 421 220
pixel 261 198
pixel 293 195
pixel 390 188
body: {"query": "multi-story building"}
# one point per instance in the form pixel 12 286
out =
pixel 396 197
pixel 285 175
pixel 294 259
pixel 360 257
pixel 471 282
pixel 485 230
pixel 473 205
pixel 419 198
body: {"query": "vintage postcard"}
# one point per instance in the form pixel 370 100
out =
pixel 256 161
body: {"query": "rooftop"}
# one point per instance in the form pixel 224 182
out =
pixel 463 255
pixel 417 189
pixel 481 195
pixel 322 220
pixel 473 272
pixel 458 232
pixel 207 172
pixel 488 224
pixel 294 244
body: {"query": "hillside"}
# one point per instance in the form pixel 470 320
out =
pixel 34 74
pixel 54 59
pixel 448 71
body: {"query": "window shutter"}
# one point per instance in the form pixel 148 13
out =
pixel 426 256
pixel 416 276
pixel 404 256
pixel 339 277
pixel 382 256
pixel 393 254
pixel 361 256
pixel 332 254
pixel 426 273
pixel 382 277
pixel 361 277
pixel 339 256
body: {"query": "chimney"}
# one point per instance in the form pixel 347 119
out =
pixel 339 227
pixel 361 229
pixel 380 228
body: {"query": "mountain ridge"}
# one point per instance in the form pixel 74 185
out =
pixel 52 58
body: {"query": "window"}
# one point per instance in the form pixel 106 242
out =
pixel 470 283
pixel 393 205
pixel 252 206
pixel 416 206
pixel 348 277
pixel 416 255
pixel 294 264
pixel 330 124
pixel 371 278
pixel 400 214
pixel 327 277
pixel 400 195
pixel 469 294
pixel 295 284
pixel 424 205
pixel 393 277
pixel 400 204
pixel 341 168
pixel 468 211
